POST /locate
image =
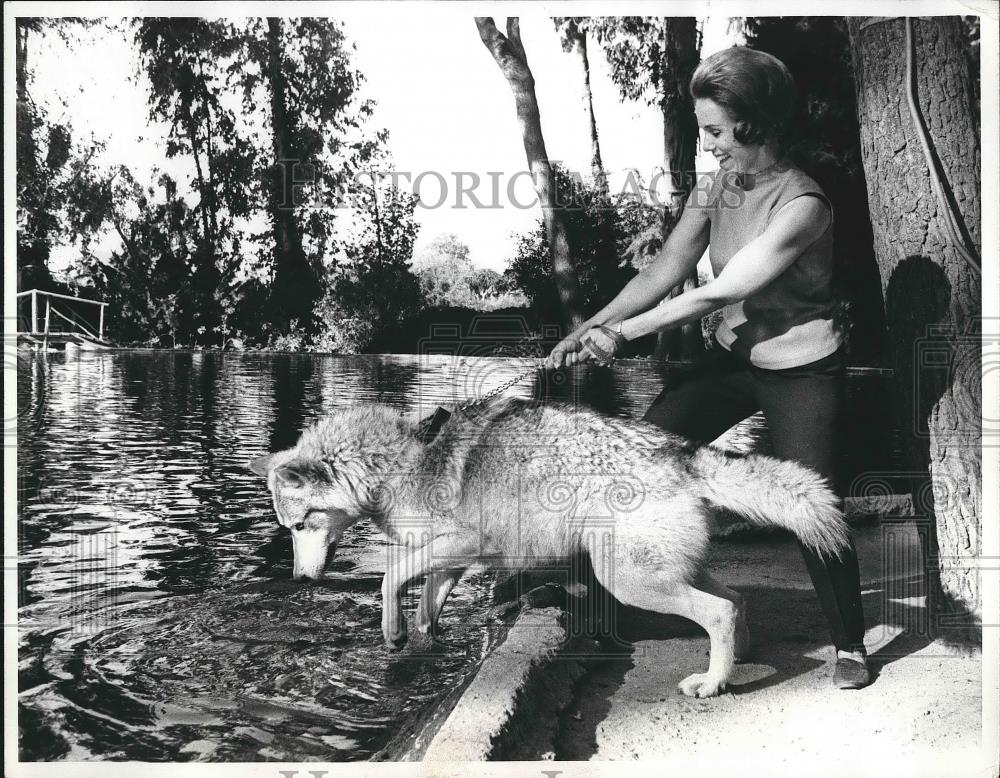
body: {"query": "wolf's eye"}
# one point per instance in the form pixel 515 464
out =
pixel 299 526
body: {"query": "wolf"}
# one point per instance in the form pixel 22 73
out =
pixel 520 485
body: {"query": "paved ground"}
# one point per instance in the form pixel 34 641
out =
pixel 924 707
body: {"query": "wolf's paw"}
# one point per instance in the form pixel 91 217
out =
pixel 701 685
pixel 431 629
pixel 395 641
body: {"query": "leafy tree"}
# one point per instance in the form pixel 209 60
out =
pixel 444 270
pixel 598 237
pixel 298 91
pixel 155 283
pixel 304 68
pixel 652 58
pixel 485 282
pixel 185 60
pixel 445 248
pixel 47 163
pixel 372 286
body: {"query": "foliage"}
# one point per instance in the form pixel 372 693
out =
pixel 372 286
pixel 598 235
pixel 297 90
pixel 633 46
pixel 160 286
pixel 444 269
pixel 448 278
pixel 47 158
pixel 303 67
pixel 652 58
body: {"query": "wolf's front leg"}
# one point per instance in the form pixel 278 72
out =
pixel 437 587
pixel 437 555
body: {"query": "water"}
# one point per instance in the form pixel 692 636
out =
pixel 158 619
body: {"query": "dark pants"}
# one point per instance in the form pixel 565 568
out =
pixel 802 406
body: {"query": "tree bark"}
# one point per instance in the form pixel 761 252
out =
pixel 294 289
pixel 932 289
pixel 510 56
pixel 680 139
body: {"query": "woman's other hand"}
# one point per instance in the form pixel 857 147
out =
pixel 567 351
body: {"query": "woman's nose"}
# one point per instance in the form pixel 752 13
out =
pixel 707 143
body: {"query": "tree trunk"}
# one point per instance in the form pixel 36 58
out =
pixel 509 55
pixel 680 139
pixel 294 289
pixel 213 206
pixel 32 244
pixel 204 197
pixel 575 42
pixel 931 282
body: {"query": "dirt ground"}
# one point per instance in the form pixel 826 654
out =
pixel 922 714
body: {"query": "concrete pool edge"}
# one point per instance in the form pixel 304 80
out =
pixel 509 705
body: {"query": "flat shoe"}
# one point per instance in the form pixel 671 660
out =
pixel 851 674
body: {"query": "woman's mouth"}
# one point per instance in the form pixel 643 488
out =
pixel 722 158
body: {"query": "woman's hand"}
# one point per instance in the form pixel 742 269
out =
pixel 592 344
pixel 567 352
pixel 601 344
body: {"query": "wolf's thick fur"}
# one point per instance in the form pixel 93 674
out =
pixel 522 485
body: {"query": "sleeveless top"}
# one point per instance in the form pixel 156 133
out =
pixel 789 322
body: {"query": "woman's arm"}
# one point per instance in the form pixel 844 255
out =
pixel 672 264
pixel 793 229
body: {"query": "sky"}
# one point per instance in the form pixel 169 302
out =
pixel 449 111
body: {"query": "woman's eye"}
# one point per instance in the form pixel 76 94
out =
pixel 299 526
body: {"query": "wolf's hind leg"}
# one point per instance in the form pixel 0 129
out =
pixel 715 614
pixel 437 587
pixel 709 584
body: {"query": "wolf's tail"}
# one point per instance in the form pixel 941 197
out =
pixel 775 493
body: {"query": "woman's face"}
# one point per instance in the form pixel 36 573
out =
pixel 717 137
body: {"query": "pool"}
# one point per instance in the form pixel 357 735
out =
pixel 158 620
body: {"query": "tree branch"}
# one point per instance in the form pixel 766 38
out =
pixel 514 36
pixel 508 52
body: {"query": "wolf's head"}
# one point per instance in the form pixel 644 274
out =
pixel 331 477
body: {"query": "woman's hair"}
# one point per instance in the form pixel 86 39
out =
pixel 754 87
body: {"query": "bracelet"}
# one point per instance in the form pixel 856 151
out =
pixel 603 357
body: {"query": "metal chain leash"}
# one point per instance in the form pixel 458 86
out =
pixel 500 389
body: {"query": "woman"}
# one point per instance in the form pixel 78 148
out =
pixel 768 227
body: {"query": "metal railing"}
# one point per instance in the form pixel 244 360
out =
pixel 72 319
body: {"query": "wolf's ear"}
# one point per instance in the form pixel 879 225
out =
pixel 262 465
pixel 300 472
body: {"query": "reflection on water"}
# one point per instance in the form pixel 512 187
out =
pixel 158 620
